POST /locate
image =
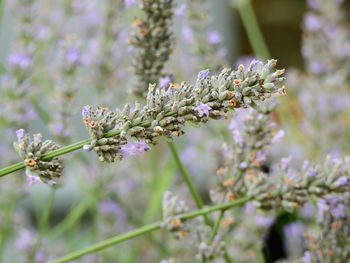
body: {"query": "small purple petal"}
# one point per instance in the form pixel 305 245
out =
pixel 20 134
pixel 203 74
pixel 86 147
pixel 202 109
pixel 85 111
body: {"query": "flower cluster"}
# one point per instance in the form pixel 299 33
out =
pixel 173 207
pixel 329 243
pixel 167 110
pixel 31 151
pixel 153 42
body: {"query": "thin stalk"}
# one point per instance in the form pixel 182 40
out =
pixel 216 226
pixel 252 27
pixel 8 211
pixel 144 230
pixel 187 178
pixel 70 219
pixel 44 219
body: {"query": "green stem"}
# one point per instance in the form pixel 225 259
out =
pixel 70 219
pixel 186 176
pixel 144 230
pixel 253 30
pixel 216 226
pixel 44 219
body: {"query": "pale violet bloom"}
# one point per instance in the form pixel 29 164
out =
pixel 134 148
pixel 202 109
pixel 20 134
pixel 203 74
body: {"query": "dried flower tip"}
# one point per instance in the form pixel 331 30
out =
pixel 227 221
pixel 228 182
pixel 137 22
pixel 93 124
pixel 220 171
pixel 237 81
pixel 241 67
pixel 174 85
pixel 30 162
pixel 233 102
pixel 232 197
pixel 175 222
pixel 281 91
pixel 86 121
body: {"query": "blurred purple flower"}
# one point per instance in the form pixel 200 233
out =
pixel 181 10
pixel 202 109
pixel 164 81
pixel 213 37
pixel 339 211
pixel 32 179
pixel 342 181
pixel 307 258
pixel 134 148
pixel 19 59
pixel 285 162
pixel 20 134
pixel 187 34
pixel 203 74
pixel 85 111
pixel 73 55
pixel 129 3
pixel 312 22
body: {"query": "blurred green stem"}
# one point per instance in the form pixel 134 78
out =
pixel 187 178
pixel 144 230
pixel 252 28
pixel 198 200
pixel 44 219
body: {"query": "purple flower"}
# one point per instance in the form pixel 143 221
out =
pixel 343 180
pixel 263 221
pixel 237 137
pixel 129 3
pixel 339 211
pixel 164 81
pixel 202 109
pixel 73 55
pixel 285 162
pixel 85 111
pixel 203 74
pixel 37 137
pixel 213 37
pixel 279 135
pixel 322 205
pixel 312 22
pixel 19 59
pixel 134 148
pixel 86 147
pixel 312 173
pixel 307 258
pixel 40 256
pixel 180 11
pixel 20 134
pixel 187 34
pixel 32 179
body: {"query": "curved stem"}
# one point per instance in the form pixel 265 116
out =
pixel 253 30
pixel 44 219
pixel 143 230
